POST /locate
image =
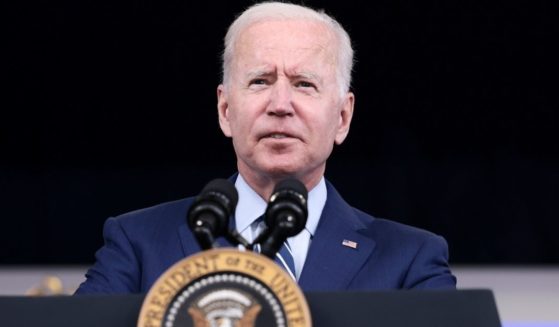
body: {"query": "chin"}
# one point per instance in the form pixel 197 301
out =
pixel 281 171
pixel 278 169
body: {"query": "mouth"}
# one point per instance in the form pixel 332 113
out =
pixel 277 136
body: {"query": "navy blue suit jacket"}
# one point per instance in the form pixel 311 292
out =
pixel 141 245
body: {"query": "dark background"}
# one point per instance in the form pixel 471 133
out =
pixel 110 106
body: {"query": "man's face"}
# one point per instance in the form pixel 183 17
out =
pixel 282 105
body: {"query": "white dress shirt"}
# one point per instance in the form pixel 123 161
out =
pixel 251 206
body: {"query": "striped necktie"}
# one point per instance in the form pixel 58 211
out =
pixel 284 257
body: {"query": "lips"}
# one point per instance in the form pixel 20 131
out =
pixel 277 135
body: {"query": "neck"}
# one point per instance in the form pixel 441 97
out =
pixel 264 184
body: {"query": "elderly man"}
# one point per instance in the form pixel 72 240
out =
pixel 285 102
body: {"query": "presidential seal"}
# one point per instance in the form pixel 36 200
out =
pixel 225 288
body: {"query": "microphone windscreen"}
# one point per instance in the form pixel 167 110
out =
pixel 286 215
pixel 223 189
pixel 287 208
pixel 292 185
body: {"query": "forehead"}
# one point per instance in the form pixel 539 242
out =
pixel 292 42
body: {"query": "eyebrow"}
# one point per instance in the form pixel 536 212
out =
pixel 259 73
pixel 307 75
pixel 295 75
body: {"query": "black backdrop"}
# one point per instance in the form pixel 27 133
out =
pixel 110 106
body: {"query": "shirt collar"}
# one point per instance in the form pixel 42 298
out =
pixel 251 205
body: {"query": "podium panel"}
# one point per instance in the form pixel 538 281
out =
pixel 66 311
pixel 464 308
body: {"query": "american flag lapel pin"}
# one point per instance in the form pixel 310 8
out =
pixel 349 244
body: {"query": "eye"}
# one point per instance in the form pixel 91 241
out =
pixel 258 81
pixel 305 84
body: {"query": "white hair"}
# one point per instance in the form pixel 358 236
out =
pixel 287 11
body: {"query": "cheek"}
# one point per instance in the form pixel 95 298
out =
pixel 326 126
pixel 241 123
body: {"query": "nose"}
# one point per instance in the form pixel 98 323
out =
pixel 281 99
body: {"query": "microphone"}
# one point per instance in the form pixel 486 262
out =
pixel 286 215
pixel 208 216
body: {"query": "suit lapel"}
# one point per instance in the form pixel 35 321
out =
pixel 330 265
pixel 188 241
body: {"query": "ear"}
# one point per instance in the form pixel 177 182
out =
pixel 345 118
pixel 223 110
